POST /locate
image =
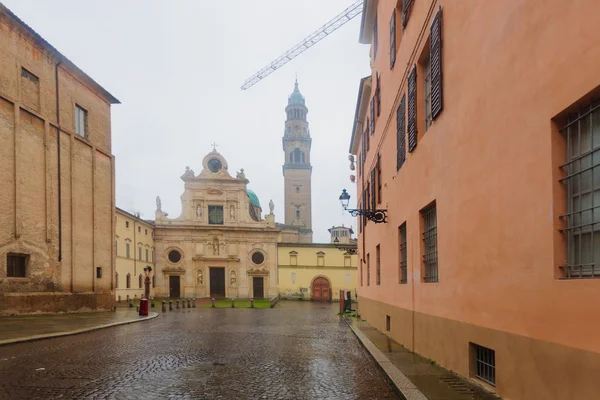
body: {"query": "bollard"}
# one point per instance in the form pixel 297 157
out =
pixel 232 303
pixel 251 303
pixel 194 303
pixel 164 306
pixel 182 303
pixel 213 303
pixel 178 304
pixel 189 303
pixel 170 305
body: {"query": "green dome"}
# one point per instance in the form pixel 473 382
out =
pixel 253 198
pixel 296 97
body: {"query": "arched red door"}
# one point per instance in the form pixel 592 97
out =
pixel 321 290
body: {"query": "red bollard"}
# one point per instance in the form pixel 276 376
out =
pixel 143 307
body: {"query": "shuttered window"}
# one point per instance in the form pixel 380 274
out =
pixel 368 138
pixel 372 112
pixel 436 65
pixel 373 188
pixel 393 38
pixel 401 133
pixel 375 39
pixel 412 109
pixel 379 178
pixel 406 6
pixel 378 96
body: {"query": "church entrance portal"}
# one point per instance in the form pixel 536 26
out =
pixel 217 282
pixel 258 287
pixel 321 290
pixel 174 287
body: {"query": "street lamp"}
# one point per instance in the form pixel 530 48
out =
pixel 377 216
pixel 350 250
pixel 147 270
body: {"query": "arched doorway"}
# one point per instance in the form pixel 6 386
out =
pixel 321 290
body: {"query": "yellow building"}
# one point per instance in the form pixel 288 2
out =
pixel 56 179
pixel 318 271
pixel 134 245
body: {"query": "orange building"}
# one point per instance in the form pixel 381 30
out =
pixel 479 133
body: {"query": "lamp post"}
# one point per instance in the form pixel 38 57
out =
pixel 147 270
pixel 350 250
pixel 377 216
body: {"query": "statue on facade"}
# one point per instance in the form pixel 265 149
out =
pixel 198 211
pixel 271 206
pixel 240 174
pixel 215 245
pixel 200 278
pixel 158 204
pixel 189 173
pixel 232 212
pixel 233 278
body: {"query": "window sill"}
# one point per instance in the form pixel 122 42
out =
pixel 17 279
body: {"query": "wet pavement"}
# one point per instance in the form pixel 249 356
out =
pixel 297 350
pixel 435 382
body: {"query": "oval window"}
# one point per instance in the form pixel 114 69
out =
pixel 174 256
pixel 258 258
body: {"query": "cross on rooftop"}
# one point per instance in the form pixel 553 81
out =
pixel 214 145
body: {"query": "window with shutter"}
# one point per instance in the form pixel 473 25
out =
pixel 368 140
pixel 401 133
pixel 379 178
pixel 436 65
pixel 375 39
pixel 372 112
pixel 412 109
pixel 406 6
pixel 378 96
pixel 393 38
pixel 373 188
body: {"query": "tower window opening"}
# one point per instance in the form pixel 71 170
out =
pixel 297 212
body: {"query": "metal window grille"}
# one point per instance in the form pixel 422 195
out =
pixel 427 91
pixel 16 266
pixel 485 364
pixel 582 180
pixel 215 215
pixel 378 265
pixel 430 254
pixel 368 270
pixel 403 257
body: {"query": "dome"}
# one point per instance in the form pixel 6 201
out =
pixel 253 198
pixel 296 97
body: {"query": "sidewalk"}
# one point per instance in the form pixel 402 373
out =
pixel 415 376
pixel 25 328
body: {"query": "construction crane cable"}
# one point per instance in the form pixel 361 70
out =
pixel 342 18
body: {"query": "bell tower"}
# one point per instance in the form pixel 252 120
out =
pixel 296 168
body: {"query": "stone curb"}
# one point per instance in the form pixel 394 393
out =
pixel 406 388
pixel 75 332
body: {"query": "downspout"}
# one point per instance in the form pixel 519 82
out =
pixel 58 160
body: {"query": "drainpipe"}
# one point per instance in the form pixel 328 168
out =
pixel 58 160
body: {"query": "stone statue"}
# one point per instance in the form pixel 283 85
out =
pixel 198 211
pixel 200 278
pixel 189 173
pixel 232 212
pixel 215 245
pixel 233 278
pixel 240 175
pixel 271 206
pixel 158 204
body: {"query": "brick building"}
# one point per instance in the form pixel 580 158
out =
pixel 478 131
pixel 56 179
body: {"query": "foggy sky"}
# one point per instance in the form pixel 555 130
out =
pixel 177 67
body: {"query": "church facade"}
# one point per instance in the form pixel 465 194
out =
pixel 220 246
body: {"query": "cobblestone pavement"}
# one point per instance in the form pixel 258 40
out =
pixel 298 350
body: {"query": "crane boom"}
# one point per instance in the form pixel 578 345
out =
pixel 315 37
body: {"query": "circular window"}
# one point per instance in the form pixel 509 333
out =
pixel 174 256
pixel 214 165
pixel 258 258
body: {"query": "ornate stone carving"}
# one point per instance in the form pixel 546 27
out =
pixel 199 211
pixel 232 212
pixel 200 277
pixel 214 191
pixel 158 204
pixel 258 271
pixel 233 278
pixel 240 174
pixel 271 207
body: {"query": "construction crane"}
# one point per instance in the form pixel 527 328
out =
pixel 339 20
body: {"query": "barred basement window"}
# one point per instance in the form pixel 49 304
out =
pixel 582 180
pixel 485 363
pixel 403 258
pixel 16 265
pixel 430 257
